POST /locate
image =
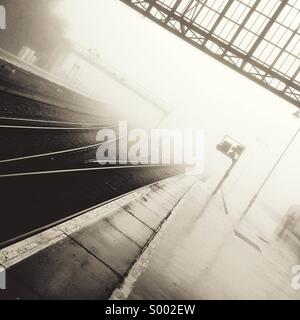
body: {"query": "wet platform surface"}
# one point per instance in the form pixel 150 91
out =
pixel 153 244
pixel 89 256
pixel 214 256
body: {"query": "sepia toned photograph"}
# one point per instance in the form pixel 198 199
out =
pixel 149 152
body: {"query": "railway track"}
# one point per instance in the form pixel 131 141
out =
pixel 40 189
pixel 48 166
pixel 24 120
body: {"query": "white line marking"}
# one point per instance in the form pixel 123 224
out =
pixel 55 152
pixel 54 128
pixel 75 170
pixel 49 121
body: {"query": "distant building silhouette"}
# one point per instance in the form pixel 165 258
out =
pixel 34 25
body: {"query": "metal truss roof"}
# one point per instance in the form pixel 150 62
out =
pixel 258 38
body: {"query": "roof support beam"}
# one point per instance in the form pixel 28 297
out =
pixel 174 8
pixel 265 31
pixel 242 25
pixel 221 16
pixel 183 24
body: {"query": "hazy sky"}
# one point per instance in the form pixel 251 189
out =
pixel 201 93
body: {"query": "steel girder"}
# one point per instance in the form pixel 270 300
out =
pixel 258 38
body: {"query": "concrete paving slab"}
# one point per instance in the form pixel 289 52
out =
pixel 130 226
pixel 143 214
pixel 156 207
pixel 168 196
pixel 65 271
pixel 156 197
pixel 109 245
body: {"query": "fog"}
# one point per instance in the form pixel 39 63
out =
pixel 198 92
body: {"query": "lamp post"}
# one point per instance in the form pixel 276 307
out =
pixel 297 115
pixel 233 150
